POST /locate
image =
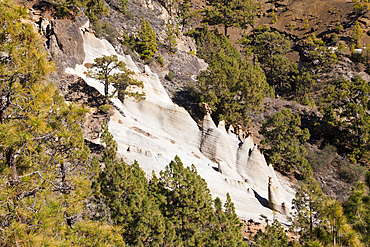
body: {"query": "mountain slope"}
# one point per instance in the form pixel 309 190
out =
pixel 155 130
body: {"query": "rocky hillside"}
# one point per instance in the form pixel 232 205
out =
pixel 294 18
pixel 155 131
pixel 237 157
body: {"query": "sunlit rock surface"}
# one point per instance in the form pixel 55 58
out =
pixel 155 130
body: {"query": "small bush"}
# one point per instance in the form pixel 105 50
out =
pixel 192 33
pixel 334 38
pixel 160 60
pixel 358 45
pixel 130 15
pixel 129 41
pixel 351 172
pixel 274 17
pixel 160 45
pixel 63 12
pixel 104 108
pixel 193 52
pixel 321 160
pixel 122 4
pixel 307 100
pixel 193 91
pixel 170 75
pixel 105 31
pixel 339 28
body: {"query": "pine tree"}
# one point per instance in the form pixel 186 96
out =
pixel 274 236
pixel 188 204
pixel 104 70
pixel 357 32
pixel 345 113
pixel 227 229
pixel 93 8
pixel 308 205
pixel 231 87
pixel 171 37
pixel 271 49
pixel 283 141
pixel 125 191
pixel 184 12
pixel 231 13
pixel 122 4
pixel 366 54
pixel 320 57
pixel 147 45
pixel 41 141
pixel 357 210
pixel 340 231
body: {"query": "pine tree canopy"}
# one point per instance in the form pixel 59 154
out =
pixel 233 88
pixel 147 44
pixel 346 111
pixel 112 72
pixel 232 13
pixel 284 141
pixel 41 141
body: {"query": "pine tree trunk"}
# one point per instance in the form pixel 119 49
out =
pixel 311 222
pixel 106 92
pixel 2 110
pixel 10 159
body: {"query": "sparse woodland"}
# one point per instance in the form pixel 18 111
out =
pixel 54 192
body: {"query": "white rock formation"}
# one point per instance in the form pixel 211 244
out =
pixel 155 130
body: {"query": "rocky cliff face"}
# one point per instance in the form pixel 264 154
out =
pixel 155 130
pixel 63 40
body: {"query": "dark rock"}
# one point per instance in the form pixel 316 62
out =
pixel 66 43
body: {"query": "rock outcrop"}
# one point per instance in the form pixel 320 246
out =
pixel 63 40
pixel 154 130
pixel 274 199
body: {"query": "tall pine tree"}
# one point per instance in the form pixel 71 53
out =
pixel 188 204
pixel 283 142
pixel 227 228
pixel 233 88
pixel 41 141
pixel 112 72
pixel 147 45
pixel 231 13
pixel 125 190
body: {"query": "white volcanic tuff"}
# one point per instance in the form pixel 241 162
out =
pixel 242 158
pixel 154 130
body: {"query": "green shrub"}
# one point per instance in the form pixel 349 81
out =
pixel 160 45
pixel 104 108
pixel 193 52
pixel 170 75
pixel 105 31
pixel 171 37
pixel 63 12
pixel 192 33
pixel 160 60
pixel 122 4
pixel 339 28
pixel 351 172
pixel 321 160
pixel 193 91
pixel 147 45
pixel 358 45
